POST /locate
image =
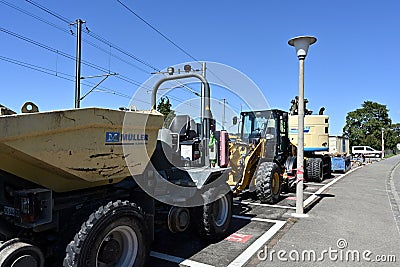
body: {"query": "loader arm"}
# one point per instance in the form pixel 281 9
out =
pixel 242 174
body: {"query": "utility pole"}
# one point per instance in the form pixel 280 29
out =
pixel 78 23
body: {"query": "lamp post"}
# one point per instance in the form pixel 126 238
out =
pixel 301 43
pixel 383 145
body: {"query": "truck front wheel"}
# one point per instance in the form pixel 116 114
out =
pixel 114 235
pixel 212 220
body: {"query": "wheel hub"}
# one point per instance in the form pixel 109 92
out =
pixel 110 252
pixel 220 211
pixel 275 183
pixel 178 219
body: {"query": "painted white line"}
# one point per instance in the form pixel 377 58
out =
pixel 243 258
pixel 316 184
pixel 178 260
pixel 263 205
pixel 257 219
pixel 309 200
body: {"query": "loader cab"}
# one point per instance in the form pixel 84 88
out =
pixel 271 125
pixel 254 125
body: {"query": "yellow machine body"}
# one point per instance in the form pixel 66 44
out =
pixel 316 132
pixel 244 160
pixel 80 148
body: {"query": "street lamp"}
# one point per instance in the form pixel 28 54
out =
pixel 383 145
pixel 301 43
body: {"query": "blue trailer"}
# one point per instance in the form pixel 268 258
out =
pixel 340 163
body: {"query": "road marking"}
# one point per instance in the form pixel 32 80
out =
pixel 239 238
pixel 257 219
pixel 178 260
pixel 263 205
pixel 243 258
pixel 313 197
pixel 317 184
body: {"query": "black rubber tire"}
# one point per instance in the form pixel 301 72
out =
pixel 289 184
pixel 207 219
pixel 328 173
pixel 83 250
pixel 314 170
pixel 267 174
pixel 13 251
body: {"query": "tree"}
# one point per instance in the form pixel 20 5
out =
pixel 395 130
pixel 364 126
pixel 164 107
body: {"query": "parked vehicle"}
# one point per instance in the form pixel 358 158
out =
pixel 264 158
pixel 340 153
pixel 367 151
pixel 72 184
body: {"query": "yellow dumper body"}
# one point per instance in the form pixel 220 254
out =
pixel 80 148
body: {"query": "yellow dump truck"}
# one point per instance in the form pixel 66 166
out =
pixel 85 187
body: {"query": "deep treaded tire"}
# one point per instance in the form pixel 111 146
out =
pixel 268 182
pixel 212 220
pixel 114 235
pixel 328 173
pixel 314 169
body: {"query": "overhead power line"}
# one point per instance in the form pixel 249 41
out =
pixel 91 34
pixel 55 73
pixel 168 39
pixel 108 43
pixel 66 20
pixel 159 32
pixel 34 16
pixel 89 64
pixel 37 68
pixel 60 75
pixel 101 39
pixel 68 32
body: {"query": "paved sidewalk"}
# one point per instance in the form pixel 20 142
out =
pixel 356 214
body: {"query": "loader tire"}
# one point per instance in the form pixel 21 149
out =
pixel 268 182
pixel 314 170
pixel 114 235
pixel 212 220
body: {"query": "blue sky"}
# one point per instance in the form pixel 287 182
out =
pixel 355 58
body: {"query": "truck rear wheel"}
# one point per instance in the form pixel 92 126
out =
pixel 20 254
pixel 212 220
pixel 114 235
pixel 314 170
pixel 268 182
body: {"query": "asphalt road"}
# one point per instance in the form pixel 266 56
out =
pixel 361 217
